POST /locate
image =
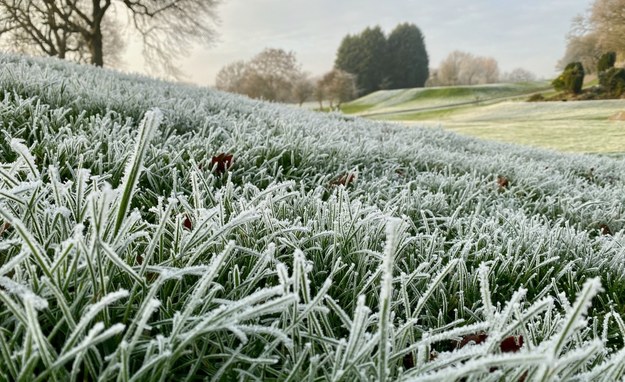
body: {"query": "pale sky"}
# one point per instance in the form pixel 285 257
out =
pixel 517 33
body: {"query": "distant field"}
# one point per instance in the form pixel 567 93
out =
pixel 501 115
pixel 390 101
pixel 582 126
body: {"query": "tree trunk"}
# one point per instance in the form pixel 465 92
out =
pixel 62 43
pixel 95 42
pixel 97 55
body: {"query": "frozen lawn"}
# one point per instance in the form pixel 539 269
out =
pixel 154 231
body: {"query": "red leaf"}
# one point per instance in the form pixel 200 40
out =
pixel 605 230
pixel 187 223
pixel 511 344
pixel 502 182
pixel 408 361
pixel 344 179
pixel 221 163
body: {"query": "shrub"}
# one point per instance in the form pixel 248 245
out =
pixel 538 97
pixel 613 81
pixel 571 79
pixel 558 83
pixel 606 62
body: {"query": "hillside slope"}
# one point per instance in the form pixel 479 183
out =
pixel 391 102
pixel 580 126
pixel 327 248
pixel 494 112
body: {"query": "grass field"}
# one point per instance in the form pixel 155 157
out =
pixel 390 101
pixel 581 126
pixel 156 231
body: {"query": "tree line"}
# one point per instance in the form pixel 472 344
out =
pixel 275 75
pixel 365 62
pixel 90 31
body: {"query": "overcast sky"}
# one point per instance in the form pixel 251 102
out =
pixel 517 33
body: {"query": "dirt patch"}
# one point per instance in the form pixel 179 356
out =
pixel 620 116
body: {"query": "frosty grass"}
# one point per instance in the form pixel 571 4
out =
pixel 333 248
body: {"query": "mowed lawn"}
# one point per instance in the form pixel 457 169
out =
pixel 500 112
pixel 581 126
pixel 419 99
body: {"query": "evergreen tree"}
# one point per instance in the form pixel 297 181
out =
pixel 350 56
pixel 408 64
pixel 364 55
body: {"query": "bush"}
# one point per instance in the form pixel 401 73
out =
pixel 558 83
pixel 606 62
pixel 613 81
pixel 571 79
pixel 538 97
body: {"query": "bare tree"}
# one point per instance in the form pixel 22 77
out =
pixel 433 80
pixel 303 89
pixel 36 27
pixel 338 86
pixel 607 20
pixel 489 70
pixel 271 75
pixel 463 68
pixel 319 93
pixel 231 78
pixel 470 70
pixel 449 69
pixel 584 48
pixel 57 27
pixel 599 31
pixel 519 75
